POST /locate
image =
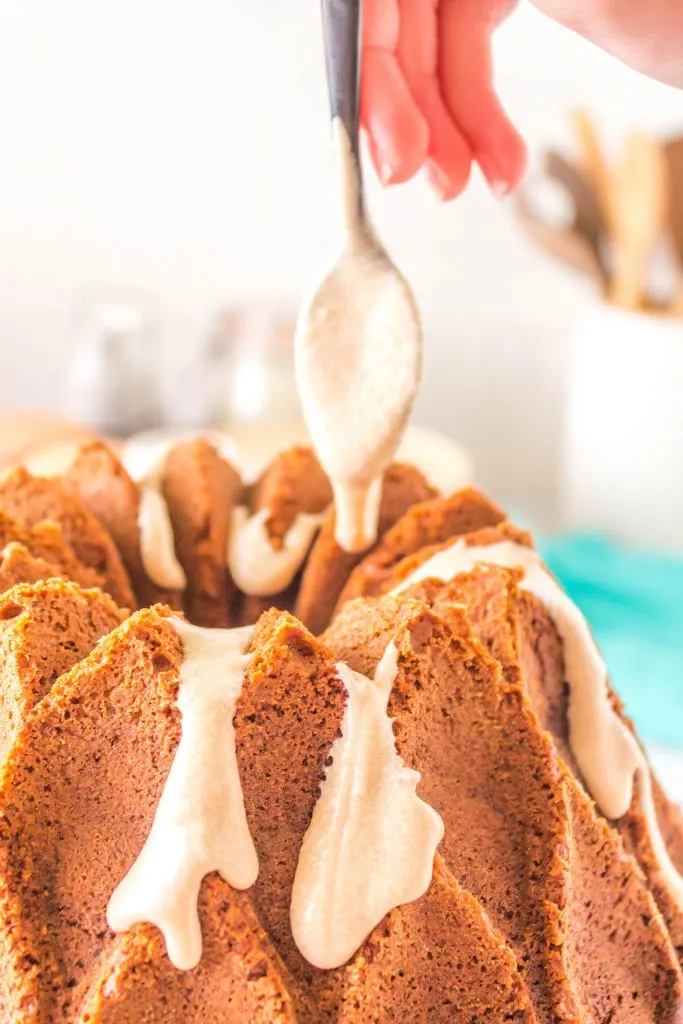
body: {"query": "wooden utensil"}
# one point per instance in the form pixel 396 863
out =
pixel 636 205
pixel 562 243
pixel 588 218
pixel 673 154
pixel 591 159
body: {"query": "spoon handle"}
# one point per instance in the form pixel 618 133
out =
pixel 341 31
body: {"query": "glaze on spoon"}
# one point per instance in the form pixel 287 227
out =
pixel 359 339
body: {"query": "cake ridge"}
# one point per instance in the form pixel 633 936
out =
pixel 32 499
pixel 637 813
pixel 46 541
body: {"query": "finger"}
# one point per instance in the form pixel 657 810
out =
pixel 466 77
pixel 398 133
pixel 450 156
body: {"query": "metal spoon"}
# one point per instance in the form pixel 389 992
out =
pixel 359 340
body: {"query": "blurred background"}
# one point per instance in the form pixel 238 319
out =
pixel 166 196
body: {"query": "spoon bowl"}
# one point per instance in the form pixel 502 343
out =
pixel 358 357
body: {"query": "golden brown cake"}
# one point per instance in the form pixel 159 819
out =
pixel 45 628
pixel 328 566
pixel 292 487
pixel 424 524
pixel 201 490
pixel 107 491
pixel 18 565
pixel 46 541
pixel 524 638
pixel 398 820
pixel 30 500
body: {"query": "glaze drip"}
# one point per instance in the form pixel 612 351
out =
pixel 258 568
pixel 371 842
pixel 200 824
pixel 157 546
pixel 608 755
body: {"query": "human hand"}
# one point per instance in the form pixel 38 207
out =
pixel 646 34
pixel 427 97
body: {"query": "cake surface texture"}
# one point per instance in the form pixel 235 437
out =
pixel 250 777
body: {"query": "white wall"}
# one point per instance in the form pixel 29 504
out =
pixel 181 148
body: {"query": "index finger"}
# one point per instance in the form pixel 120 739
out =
pixel 398 133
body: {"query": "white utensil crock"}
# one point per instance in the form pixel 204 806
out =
pixel 623 459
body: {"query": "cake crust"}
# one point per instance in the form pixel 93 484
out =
pixel 30 500
pixel 45 628
pixel 201 490
pixel 105 487
pixel 432 522
pixel 329 567
pixel 46 541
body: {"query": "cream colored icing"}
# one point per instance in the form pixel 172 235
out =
pixel 607 754
pixel 200 824
pixel 157 546
pixel 371 842
pixel 255 565
pixel 358 358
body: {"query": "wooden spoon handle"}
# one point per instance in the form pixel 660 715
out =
pixel 341 31
pixel 639 202
pixel 626 286
pixel 592 161
pixel 566 244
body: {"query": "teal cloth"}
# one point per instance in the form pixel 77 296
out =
pixel 633 601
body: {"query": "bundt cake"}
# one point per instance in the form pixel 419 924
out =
pixel 311 786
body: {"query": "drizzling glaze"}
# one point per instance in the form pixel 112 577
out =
pixel 358 357
pixel 255 565
pixel 607 754
pixel 371 842
pixel 200 824
pixel 157 546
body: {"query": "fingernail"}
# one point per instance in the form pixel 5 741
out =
pixel 496 181
pixel 386 172
pixel 439 182
pixel 500 188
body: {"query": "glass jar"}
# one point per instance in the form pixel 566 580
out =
pixel 110 386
